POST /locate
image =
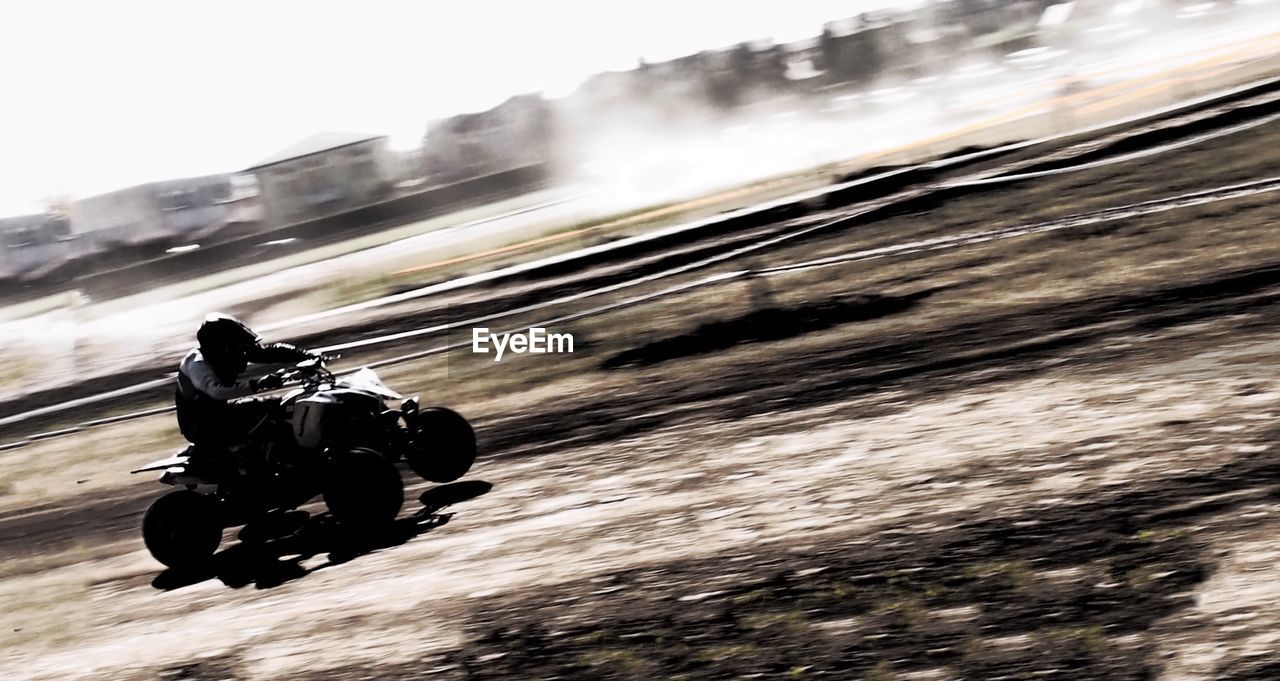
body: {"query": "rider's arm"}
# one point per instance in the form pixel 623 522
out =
pixel 203 379
pixel 277 353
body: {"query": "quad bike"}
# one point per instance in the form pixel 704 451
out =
pixel 334 437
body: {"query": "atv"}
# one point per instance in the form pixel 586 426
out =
pixel 334 437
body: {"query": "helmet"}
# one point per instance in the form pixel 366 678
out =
pixel 225 340
pixel 224 331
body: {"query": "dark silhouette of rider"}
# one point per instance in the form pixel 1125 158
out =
pixel 213 407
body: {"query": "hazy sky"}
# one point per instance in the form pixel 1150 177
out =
pixel 100 95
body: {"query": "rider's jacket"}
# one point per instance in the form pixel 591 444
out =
pixel 201 395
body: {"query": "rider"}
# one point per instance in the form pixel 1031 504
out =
pixel 210 380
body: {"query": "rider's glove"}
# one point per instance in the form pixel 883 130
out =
pixel 268 382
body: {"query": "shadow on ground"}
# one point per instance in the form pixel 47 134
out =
pixel 1011 343
pixel 768 324
pixel 272 563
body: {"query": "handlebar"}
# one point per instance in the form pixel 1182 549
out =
pixel 309 371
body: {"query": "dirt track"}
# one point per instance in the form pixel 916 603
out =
pixel 1049 459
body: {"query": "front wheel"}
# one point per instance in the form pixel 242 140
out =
pixel 363 489
pixel 442 446
pixel 182 529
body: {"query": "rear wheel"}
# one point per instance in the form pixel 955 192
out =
pixel 443 446
pixel 363 489
pixel 182 529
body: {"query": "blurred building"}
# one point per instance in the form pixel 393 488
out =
pixel 767 69
pixel 998 26
pixel 325 173
pixel 688 90
pixel 672 90
pixel 610 93
pixel 31 245
pixel 244 204
pixel 519 132
pixel 801 64
pixel 853 51
pixel 740 76
pixel 409 168
pixel 169 211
